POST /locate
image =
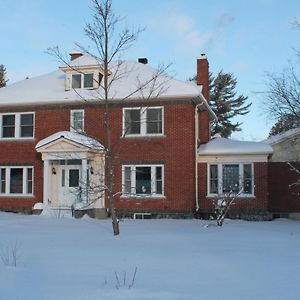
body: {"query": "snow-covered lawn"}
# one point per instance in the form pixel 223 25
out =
pixel 175 259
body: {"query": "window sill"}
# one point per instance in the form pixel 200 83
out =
pixel 139 136
pixel 142 197
pixel 17 139
pixel 16 196
pixel 244 196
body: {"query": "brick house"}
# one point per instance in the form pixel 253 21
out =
pixel 53 141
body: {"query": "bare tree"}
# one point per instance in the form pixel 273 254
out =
pixel 108 45
pixel 282 100
pixel 223 203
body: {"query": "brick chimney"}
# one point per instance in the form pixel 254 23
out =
pixel 75 54
pixel 203 75
pixel 202 79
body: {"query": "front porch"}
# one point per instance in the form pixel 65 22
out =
pixel 73 174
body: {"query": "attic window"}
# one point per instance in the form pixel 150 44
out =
pixel 82 80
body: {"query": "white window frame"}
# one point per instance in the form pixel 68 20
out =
pixel 220 178
pixel 82 80
pixel 17 126
pixel 133 181
pixel 143 121
pixel 25 179
pixel 72 128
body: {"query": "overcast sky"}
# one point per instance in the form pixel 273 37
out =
pixel 247 38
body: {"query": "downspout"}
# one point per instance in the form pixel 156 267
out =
pixel 196 152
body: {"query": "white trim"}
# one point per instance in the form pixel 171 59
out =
pixel 24 182
pixel 143 122
pixel 72 128
pixel 232 158
pixel 220 178
pixel 133 181
pixel 17 134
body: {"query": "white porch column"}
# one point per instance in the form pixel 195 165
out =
pixel 84 180
pixel 46 183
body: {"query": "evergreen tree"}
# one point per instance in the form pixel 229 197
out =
pixel 286 122
pixel 3 79
pixel 226 104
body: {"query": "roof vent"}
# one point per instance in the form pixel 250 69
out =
pixel 75 54
pixel 143 60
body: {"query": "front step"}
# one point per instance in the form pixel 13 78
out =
pixel 60 212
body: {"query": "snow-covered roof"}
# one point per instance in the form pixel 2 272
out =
pixel 222 146
pixel 74 137
pixel 84 61
pixel 283 136
pixel 50 88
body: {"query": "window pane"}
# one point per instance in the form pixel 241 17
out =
pixel 158 188
pixel 247 179
pixel 77 121
pixel 3 180
pixel 29 181
pixel 16 181
pixel 143 180
pixel 88 80
pixel 213 179
pixel 127 180
pixel 132 121
pixel 8 126
pixel 76 81
pixel 73 178
pixel 230 178
pixel 154 120
pixel 27 125
pixel 63 177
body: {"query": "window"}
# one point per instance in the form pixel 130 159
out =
pixel 88 80
pixel 26 125
pixel 226 178
pixel 18 125
pixel 76 81
pixel 77 120
pixel 143 121
pixel 16 181
pixel 3 181
pixel 143 180
pixel 82 80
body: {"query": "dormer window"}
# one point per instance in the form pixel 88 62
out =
pixel 82 80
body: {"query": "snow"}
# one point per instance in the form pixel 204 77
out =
pixel 283 136
pixel 50 88
pixel 176 259
pixel 72 136
pixel 222 146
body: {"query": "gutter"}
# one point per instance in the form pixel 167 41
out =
pixel 196 152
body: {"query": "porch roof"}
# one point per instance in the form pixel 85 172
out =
pixel 222 146
pixel 74 137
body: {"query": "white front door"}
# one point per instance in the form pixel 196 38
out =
pixel 70 191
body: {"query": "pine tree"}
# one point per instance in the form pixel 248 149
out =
pixel 286 122
pixel 226 104
pixel 3 79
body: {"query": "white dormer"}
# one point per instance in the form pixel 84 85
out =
pixel 83 72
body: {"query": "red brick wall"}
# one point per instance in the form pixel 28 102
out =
pixel 175 149
pixel 283 198
pixel 259 202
